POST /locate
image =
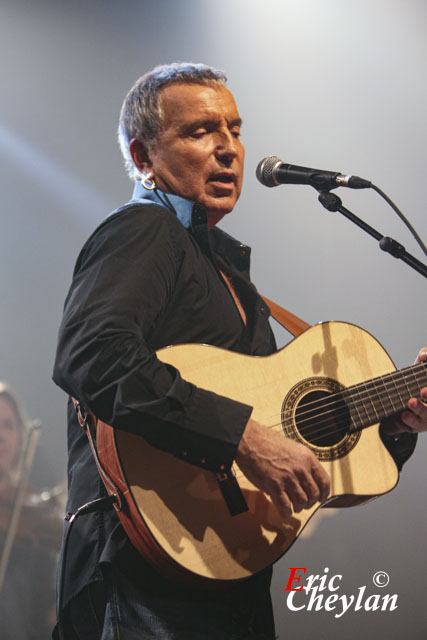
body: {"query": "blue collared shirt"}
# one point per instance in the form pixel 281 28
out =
pixel 182 207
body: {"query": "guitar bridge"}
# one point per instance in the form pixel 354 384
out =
pixel 231 492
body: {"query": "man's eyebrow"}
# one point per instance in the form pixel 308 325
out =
pixel 195 124
pixel 237 122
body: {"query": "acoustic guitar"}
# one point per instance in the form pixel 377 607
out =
pixel 329 388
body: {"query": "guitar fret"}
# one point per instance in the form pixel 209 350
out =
pixel 419 376
pixel 373 414
pixel 390 399
pixel 401 401
pixel 415 385
pixel 404 378
pixel 360 407
pixel 378 393
pixel 356 418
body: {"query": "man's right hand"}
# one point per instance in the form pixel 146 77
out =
pixel 284 469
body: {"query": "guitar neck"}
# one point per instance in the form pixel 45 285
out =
pixel 372 401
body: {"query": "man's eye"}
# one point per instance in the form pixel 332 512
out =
pixel 198 133
pixel 236 133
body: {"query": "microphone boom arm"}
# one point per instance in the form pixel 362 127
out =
pixel 332 202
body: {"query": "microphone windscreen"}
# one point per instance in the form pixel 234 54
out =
pixel 264 171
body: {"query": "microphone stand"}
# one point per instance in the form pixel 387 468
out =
pixel 332 202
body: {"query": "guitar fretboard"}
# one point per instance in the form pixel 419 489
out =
pixel 372 401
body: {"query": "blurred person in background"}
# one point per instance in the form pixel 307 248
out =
pixel 27 588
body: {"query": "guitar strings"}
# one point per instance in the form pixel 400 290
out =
pixel 358 397
pixel 323 425
pixel 333 403
pixel 321 432
pixel 341 415
pixel 354 394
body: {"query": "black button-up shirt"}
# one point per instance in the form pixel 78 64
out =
pixel 148 277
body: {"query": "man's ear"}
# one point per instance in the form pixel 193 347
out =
pixel 140 157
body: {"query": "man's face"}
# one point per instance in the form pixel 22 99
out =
pixel 198 154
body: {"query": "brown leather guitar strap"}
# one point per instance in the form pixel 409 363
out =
pixel 288 320
pixel 86 420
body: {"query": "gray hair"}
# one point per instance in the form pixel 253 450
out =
pixel 142 116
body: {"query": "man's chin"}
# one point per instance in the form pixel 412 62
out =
pixel 220 206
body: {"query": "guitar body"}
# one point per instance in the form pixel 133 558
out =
pixel 175 514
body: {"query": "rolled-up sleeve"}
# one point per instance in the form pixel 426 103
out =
pixel 123 281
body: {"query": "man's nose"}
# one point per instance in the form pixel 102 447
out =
pixel 226 146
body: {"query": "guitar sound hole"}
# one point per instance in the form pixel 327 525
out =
pixel 323 423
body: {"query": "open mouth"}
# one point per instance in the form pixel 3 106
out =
pixel 224 178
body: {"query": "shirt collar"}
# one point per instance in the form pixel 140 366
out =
pixel 193 217
pixel 182 208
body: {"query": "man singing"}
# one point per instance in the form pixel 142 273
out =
pixel 158 272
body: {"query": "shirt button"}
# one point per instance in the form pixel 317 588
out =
pixel 203 460
pixel 263 310
pixel 184 454
pixel 199 215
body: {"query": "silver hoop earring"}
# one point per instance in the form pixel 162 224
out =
pixel 148 183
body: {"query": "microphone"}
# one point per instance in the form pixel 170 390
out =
pixel 272 171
